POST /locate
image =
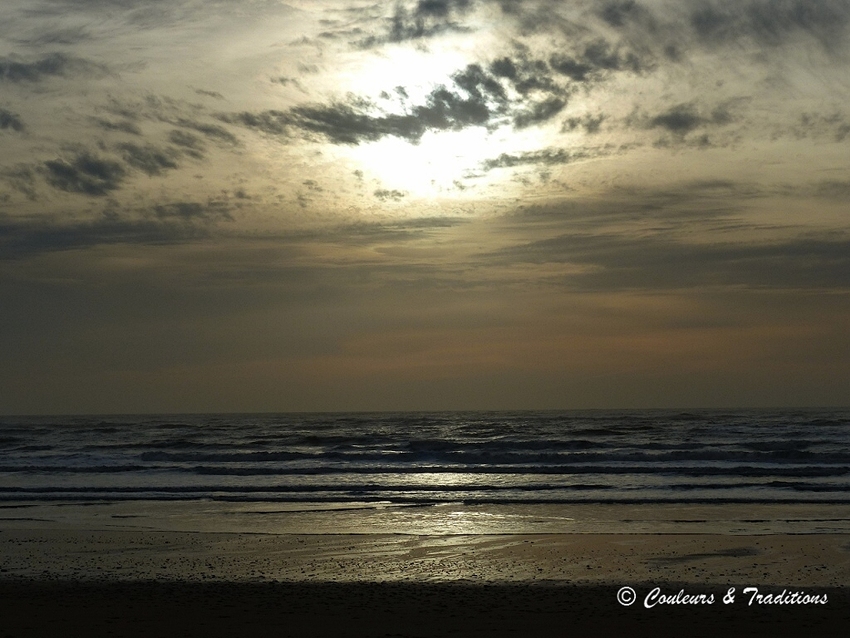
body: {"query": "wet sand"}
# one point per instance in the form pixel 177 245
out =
pixel 155 583
pixel 805 560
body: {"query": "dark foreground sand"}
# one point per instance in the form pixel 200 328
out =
pixel 388 609
pixel 133 583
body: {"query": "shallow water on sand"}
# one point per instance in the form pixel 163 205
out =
pixel 435 519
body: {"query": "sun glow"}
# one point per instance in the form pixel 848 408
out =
pixel 443 163
pixel 449 161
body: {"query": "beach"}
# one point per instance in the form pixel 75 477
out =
pixel 137 580
pixel 426 524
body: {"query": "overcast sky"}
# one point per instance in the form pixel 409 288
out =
pixel 258 205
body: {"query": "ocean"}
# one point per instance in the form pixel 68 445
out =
pixel 591 457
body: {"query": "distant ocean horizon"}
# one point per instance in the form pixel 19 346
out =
pixel 509 457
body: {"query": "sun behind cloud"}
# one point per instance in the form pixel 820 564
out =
pixel 444 163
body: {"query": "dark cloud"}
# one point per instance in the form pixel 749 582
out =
pixel 286 81
pixel 834 189
pixel 10 120
pixel 213 94
pixel 212 211
pixel 595 59
pixel 817 125
pixel 618 262
pixel 618 14
pixel 772 22
pixel 86 173
pixel 177 222
pixel 148 158
pixel 183 222
pixel 681 204
pixel 163 109
pixel 367 233
pixel 354 121
pixel 23 179
pixel 476 97
pixel 527 75
pixel 63 36
pixel 124 126
pixel 546 157
pixel 52 65
pixel 539 112
pixel 682 119
pixel 590 123
pixel 384 195
pixel 425 19
pixel 272 121
pixel 189 143
pixel 211 131
pixel 441 8
pixel 700 199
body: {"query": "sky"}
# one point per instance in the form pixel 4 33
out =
pixel 258 205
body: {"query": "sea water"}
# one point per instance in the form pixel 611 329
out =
pixel 455 463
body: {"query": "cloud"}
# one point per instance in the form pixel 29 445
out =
pixel 212 211
pixel 817 125
pixel 682 119
pixel 372 232
pixel 213 94
pixel 356 121
pixel 52 65
pixel 546 157
pixel 833 189
pixel 272 121
pixel 424 19
pixel 163 109
pixel 210 131
pixel 177 222
pixel 148 158
pixel 655 262
pixel 772 22
pixel 62 36
pixel 23 179
pixel 621 13
pixel 124 126
pixel 384 195
pixel 526 75
pixel 86 173
pixel 10 120
pixel 539 112
pixel 189 143
pixel 476 97
pixel 590 123
pixel 597 58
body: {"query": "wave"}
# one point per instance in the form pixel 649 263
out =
pixel 689 455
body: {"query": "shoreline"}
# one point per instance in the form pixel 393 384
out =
pixel 429 519
pixel 210 570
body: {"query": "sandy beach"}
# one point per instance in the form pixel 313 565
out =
pixel 816 560
pixel 97 582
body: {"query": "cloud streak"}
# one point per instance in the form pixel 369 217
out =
pixel 172 223
pixel 52 65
